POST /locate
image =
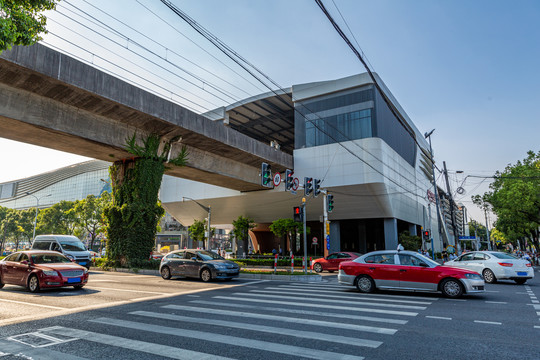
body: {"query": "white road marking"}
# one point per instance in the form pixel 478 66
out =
pixel 217 304
pixel 307 292
pixel 439 317
pixel 536 327
pixel 90 280
pixel 228 340
pixel 268 329
pixel 496 302
pixel 487 322
pixel 37 339
pixel 127 290
pixel 320 306
pixel 492 291
pixel 455 299
pixel 32 304
pixel 536 307
pixel 538 313
pixel 243 314
pixel 535 301
pixel 391 296
pixel 146 347
pixel 348 302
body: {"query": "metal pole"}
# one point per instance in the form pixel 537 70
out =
pixel 209 230
pixel 305 234
pixel 451 201
pixel 435 188
pixel 325 219
pixel 35 218
pixel 431 232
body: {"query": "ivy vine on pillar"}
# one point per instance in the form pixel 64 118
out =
pixel 134 213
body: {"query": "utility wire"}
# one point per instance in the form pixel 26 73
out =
pixel 241 62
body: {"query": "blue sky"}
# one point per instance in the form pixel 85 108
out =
pixel 469 69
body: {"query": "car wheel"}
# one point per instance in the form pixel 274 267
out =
pixel 452 288
pixel 33 284
pixel 489 276
pixel 1 283
pixel 165 272
pixel 518 281
pixel 78 287
pixel 365 284
pixel 317 267
pixel 206 275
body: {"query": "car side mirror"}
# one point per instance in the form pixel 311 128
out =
pixel 25 262
pixel 424 265
pixel 194 258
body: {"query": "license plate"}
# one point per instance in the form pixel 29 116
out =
pixel 82 263
pixel 74 280
pixel 522 273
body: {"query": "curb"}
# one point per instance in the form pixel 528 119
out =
pixel 296 278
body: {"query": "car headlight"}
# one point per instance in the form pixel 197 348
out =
pixel 50 272
pixel 219 266
pixel 474 276
pixel 85 271
pixel 70 257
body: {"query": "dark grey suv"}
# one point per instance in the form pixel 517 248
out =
pixel 202 264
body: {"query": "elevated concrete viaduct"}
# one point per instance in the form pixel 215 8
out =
pixel 52 100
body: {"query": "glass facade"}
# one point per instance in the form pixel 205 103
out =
pixel 351 115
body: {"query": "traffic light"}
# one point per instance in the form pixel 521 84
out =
pixel 426 234
pixel 329 202
pixel 266 175
pixel 308 186
pixel 316 187
pixel 298 214
pixel 289 180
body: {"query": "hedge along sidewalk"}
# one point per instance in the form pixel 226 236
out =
pixel 269 276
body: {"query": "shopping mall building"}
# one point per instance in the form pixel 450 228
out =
pixel 349 133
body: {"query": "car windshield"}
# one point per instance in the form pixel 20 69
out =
pixel 209 255
pixel 72 246
pixel 503 255
pixel 428 260
pixel 49 259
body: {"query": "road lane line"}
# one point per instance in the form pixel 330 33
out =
pixel 536 327
pixel 217 304
pixel 228 340
pixel 496 302
pixel 243 314
pixel 487 322
pixel 142 346
pixel 268 329
pixel 320 306
pixel 32 304
pixel 535 301
pixel 322 293
pixel 438 317
pixel 348 302
pixel 128 290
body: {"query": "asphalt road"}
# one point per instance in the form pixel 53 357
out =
pixel 125 316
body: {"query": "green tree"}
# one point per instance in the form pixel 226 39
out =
pixel 197 231
pixel 58 219
pixel 88 214
pixel 22 21
pixel 241 227
pixel 286 229
pixel 410 242
pixel 133 215
pixel 515 198
pixel 9 225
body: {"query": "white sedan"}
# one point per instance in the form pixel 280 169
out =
pixel 494 265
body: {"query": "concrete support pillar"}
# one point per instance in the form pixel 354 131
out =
pixel 390 234
pixel 335 237
pixel 412 230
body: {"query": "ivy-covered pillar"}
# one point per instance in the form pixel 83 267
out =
pixel 134 212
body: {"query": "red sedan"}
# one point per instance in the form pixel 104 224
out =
pixel 408 270
pixel 37 270
pixel 332 261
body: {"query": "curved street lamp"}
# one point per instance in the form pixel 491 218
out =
pixel 37 206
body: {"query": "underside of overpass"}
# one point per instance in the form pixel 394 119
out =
pixel 52 100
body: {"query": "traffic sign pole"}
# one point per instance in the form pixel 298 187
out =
pixel 325 219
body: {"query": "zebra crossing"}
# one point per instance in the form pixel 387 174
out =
pixel 307 321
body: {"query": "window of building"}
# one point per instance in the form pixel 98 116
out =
pixel 338 128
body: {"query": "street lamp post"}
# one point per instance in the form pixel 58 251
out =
pixel 427 135
pixel 37 206
pixel 207 209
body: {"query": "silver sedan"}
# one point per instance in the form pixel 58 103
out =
pixel 494 265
